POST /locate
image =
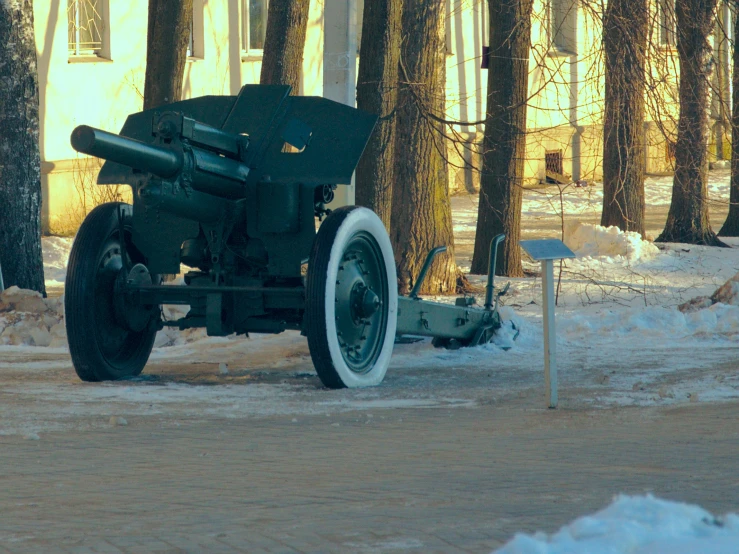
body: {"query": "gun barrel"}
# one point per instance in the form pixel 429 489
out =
pixel 133 153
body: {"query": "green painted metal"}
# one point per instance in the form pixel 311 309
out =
pixel 424 269
pixel 497 240
pixel 232 187
pixel 433 319
pixel 461 324
pixel 360 322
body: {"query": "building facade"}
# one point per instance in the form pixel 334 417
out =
pixel 92 56
pixel 566 90
pixel 92 61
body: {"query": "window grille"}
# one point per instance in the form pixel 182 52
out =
pixel 253 25
pixel 85 27
pixel 554 161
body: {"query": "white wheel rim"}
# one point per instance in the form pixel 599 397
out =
pixel 361 219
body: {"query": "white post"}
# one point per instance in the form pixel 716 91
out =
pixel 340 67
pixel 550 336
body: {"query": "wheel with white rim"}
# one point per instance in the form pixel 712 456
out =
pixel 351 299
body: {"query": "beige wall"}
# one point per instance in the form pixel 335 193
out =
pixel 565 109
pixel 102 92
pixel 566 89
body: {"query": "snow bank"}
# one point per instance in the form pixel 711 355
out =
pixel 717 321
pixel 56 254
pixel 638 525
pixel 595 240
pixel 26 318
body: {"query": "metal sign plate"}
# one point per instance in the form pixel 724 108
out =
pixel 547 249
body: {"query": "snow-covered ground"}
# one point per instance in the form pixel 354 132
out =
pixel 620 332
pixel 637 525
pixel 622 339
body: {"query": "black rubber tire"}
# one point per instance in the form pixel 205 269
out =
pixel 334 236
pixel 89 297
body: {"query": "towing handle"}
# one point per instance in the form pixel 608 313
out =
pixel 492 261
pixel 424 270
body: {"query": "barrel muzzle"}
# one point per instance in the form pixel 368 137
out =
pixel 159 160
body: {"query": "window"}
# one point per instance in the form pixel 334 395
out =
pixel 253 26
pixel 190 44
pixel 86 27
pixel 563 25
pixel 666 14
pixel 195 48
pixel 554 162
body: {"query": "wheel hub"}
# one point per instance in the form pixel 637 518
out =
pixel 132 315
pixel 364 301
pixel 361 291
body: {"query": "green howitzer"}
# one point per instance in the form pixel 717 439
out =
pixel 233 187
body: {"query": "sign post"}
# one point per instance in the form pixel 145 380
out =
pixel 546 251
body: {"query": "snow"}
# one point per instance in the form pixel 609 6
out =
pixel 28 319
pixel 591 241
pixel 637 525
pixel 56 255
pixel 625 336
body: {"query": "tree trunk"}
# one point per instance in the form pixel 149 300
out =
pixel 170 22
pixel 21 260
pixel 377 93
pixel 287 22
pixel 625 29
pixel 504 143
pixel 421 212
pixel 687 220
pixel 731 225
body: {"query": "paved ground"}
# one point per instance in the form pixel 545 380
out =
pixel 389 480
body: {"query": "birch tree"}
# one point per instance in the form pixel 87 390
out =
pixel 20 161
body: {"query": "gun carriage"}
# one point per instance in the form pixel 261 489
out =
pixel 232 187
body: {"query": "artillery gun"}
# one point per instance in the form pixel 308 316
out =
pixel 232 186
